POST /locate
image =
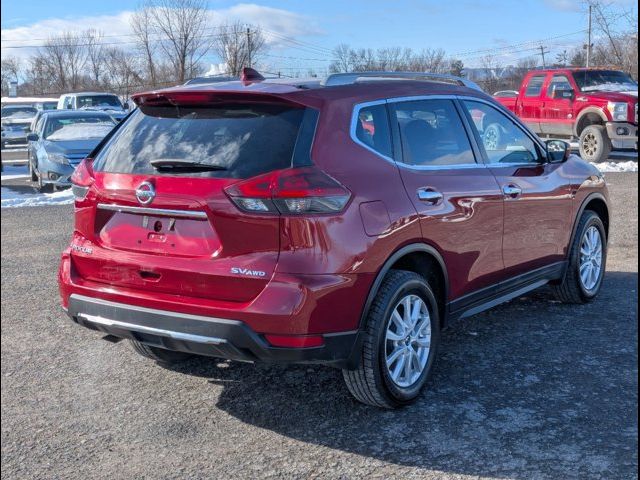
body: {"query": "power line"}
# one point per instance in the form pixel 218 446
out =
pixel 515 45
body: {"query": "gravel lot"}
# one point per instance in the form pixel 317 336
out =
pixel 531 389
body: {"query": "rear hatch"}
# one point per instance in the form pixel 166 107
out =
pixel 160 217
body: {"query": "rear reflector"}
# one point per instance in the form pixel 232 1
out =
pixel 292 191
pixel 295 341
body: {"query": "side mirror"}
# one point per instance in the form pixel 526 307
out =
pixel 126 106
pixel 558 151
pixel 32 137
pixel 564 94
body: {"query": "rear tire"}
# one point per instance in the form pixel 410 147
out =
pixel 375 381
pixel 575 289
pixel 160 355
pixel 595 145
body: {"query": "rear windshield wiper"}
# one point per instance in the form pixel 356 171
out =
pixel 177 164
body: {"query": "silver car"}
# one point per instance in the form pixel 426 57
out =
pixel 16 122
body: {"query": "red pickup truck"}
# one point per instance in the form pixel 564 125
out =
pixel 598 106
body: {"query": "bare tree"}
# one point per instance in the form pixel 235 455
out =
pixel 347 59
pixel 181 28
pixel 239 46
pixel 618 32
pixel 340 62
pixel 122 71
pixel 11 70
pixel 562 58
pixel 93 41
pixel 141 26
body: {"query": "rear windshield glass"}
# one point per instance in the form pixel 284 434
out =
pixel 99 101
pixel 74 128
pixel 242 140
pixel 18 112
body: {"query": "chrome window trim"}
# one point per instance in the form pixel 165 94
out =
pixel 354 124
pixel 458 166
pixel 462 166
pixel 159 212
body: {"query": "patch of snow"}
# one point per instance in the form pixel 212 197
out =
pixel 76 131
pixel 616 167
pixel 11 198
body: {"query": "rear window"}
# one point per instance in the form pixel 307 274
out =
pixel 99 101
pixel 244 140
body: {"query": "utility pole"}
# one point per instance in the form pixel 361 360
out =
pixel 589 38
pixel 249 46
pixel 543 52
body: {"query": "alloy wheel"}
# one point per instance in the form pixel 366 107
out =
pixel 590 144
pixel 591 258
pixel 408 341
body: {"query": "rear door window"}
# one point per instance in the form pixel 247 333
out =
pixel 534 87
pixel 433 134
pixel 238 140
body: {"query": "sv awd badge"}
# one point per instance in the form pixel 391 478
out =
pixel 247 272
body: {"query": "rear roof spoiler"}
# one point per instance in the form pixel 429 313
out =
pixel 354 77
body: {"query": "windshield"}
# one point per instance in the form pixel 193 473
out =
pixel 77 128
pixel 604 80
pixel 50 105
pixel 16 113
pixel 240 140
pixel 99 101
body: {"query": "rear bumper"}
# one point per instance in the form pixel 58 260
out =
pixel 216 337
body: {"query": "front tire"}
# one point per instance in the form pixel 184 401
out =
pixel 587 262
pixel 401 338
pixel 160 355
pixel 32 172
pixel 595 145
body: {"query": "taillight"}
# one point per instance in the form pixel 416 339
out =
pixel 82 179
pixel 293 191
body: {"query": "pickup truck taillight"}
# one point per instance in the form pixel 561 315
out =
pixel 292 191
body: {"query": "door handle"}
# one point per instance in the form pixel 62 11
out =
pixel 512 191
pixel 429 195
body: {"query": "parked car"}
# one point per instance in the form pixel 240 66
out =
pixel 60 140
pixel 506 93
pixel 46 105
pixel 94 101
pixel 15 123
pixel 41 103
pixel 343 223
pixel 597 106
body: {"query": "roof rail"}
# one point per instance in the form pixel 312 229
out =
pixel 353 77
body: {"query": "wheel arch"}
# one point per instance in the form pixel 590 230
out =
pixel 595 202
pixel 423 259
pixel 589 116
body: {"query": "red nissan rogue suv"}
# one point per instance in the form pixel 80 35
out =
pixel 343 222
